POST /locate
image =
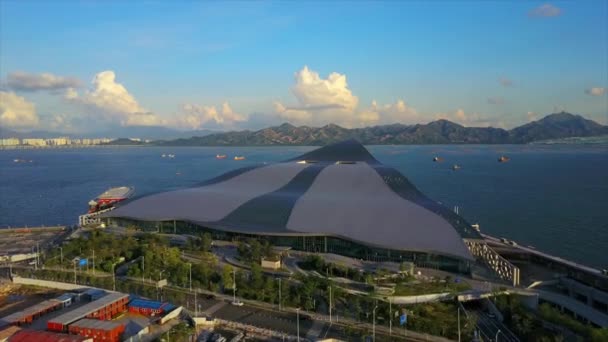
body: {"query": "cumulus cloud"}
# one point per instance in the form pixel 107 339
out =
pixel 320 100
pixel 16 111
pixel 24 81
pixel 469 119
pixel 112 100
pixel 398 112
pixel 505 82
pixel 196 116
pixel 595 91
pixel 496 100
pixel 545 10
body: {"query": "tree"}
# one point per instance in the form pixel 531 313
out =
pixel 206 242
pixel 227 277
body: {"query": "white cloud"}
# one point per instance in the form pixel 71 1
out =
pixel 470 119
pixel 320 101
pixel 505 82
pixel 196 117
pixel 24 81
pixel 398 112
pixel 595 91
pixel 16 111
pixel 70 94
pixel 545 10
pixel 112 100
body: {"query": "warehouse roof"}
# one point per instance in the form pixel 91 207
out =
pixel 81 312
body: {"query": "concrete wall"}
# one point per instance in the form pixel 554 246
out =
pixel 46 283
pixel 171 315
pixel 422 298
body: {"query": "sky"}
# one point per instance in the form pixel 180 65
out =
pixel 84 66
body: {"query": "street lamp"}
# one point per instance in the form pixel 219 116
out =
pixel 113 277
pixel 374 324
pixel 298 319
pixel 190 265
pixel 279 278
pixel 496 337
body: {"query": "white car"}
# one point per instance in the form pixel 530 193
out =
pixel 237 303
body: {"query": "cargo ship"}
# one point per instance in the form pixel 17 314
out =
pixel 220 156
pixel 110 197
pixel 503 159
pixel 239 158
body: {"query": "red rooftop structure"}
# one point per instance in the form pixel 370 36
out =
pixel 100 331
pixel 45 336
pixel 28 315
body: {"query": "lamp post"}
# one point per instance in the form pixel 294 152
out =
pixel 390 317
pixel 496 337
pixel 459 323
pixel 279 278
pixel 113 277
pixel 190 265
pixel 233 285
pixel 374 323
pixel 298 319
pixel 143 268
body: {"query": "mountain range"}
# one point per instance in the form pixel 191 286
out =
pixel 142 132
pixel 553 126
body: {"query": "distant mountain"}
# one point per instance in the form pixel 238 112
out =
pixel 125 142
pixel 556 126
pixel 559 125
pixel 142 132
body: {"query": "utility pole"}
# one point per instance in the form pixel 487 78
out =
pixel 61 253
pixel 74 271
pixel 93 261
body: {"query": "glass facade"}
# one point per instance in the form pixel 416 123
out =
pixel 306 243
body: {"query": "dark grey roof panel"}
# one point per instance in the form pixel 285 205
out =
pixel 271 211
pixel 404 188
pixel 353 201
pixel 348 150
pixel 212 202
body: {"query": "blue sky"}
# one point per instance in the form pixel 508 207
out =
pixel 232 65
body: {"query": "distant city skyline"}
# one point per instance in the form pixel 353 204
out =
pixel 85 67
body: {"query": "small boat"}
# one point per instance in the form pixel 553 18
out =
pixel 163 155
pixel 220 156
pixel 503 159
pixel 456 167
pixel 239 158
pixel 437 159
pixel 171 156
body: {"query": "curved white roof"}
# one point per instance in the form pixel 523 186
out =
pixel 363 201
